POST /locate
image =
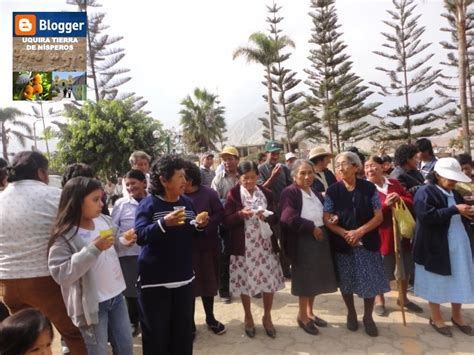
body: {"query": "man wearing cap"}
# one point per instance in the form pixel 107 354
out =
pixel 222 183
pixel 276 177
pixel 290 158
pixel 207 174
pixel 321 158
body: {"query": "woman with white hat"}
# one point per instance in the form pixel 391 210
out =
pixel 444 271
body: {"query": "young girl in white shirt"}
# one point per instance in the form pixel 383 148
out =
pixel 84 263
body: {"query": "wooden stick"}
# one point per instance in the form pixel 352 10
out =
pixel 401 294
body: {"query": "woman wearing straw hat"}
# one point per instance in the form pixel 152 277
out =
pixel 324 177
pixel 443 257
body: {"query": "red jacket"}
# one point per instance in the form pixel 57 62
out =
pixel 235 224
pixel 386 228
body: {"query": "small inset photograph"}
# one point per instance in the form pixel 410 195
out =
pixel 69 85
pixel 32 85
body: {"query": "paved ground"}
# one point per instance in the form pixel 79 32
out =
pixel 417 338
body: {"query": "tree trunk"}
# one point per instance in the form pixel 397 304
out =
pixel 44 132
pixel 461 28
pixel 270 104
pixel 4 142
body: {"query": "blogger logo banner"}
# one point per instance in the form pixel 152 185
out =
pixel 49 56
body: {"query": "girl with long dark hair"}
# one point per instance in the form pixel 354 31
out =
pixel 84 263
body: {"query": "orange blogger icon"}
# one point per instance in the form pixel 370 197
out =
pixel 25 25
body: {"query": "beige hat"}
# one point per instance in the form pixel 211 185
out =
pixel 230 151
pixel 318 152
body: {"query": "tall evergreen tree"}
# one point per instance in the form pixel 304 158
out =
pixel 337 99
pixel 284 82
pixel 449 88
pixel 265 51
pixel 411 75
pixel 103 57
pixel 203 121
pixel 460 17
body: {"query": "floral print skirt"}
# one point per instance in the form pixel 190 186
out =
pixel 258 271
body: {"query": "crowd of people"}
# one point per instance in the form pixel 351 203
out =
pixel 176 231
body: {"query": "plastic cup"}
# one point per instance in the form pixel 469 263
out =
pixel 182 215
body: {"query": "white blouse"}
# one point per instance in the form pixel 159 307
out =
pixel 312 208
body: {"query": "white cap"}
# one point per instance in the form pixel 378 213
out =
pixel 449 168
pixel 289 156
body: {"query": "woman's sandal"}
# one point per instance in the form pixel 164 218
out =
pixel 466 329
pixel 441 330
pixel 309 327
pixel 271 332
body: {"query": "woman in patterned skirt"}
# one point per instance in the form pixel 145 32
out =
pixel 352 212
pixel 254 264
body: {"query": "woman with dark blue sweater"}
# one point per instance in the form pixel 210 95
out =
pixel 442 252
pixel 165 270
pixel 352 212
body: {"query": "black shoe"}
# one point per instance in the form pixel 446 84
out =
pixel 352 323
pixel 309 327
pixel 466 329
pixel 250 331
pixel 441 330
pixel 319 322
pixel 258 295
pixel 136 330
pixel 271 332
pixel 371 328
pixel 217 327
pixel 413 307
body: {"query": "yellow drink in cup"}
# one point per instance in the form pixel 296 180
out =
pixel 106 233
pixel 182 214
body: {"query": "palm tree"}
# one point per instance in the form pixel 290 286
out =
pixel 203 121
pixel 266 51
pixel 8 128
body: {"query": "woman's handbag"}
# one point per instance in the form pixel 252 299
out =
pixel 404 219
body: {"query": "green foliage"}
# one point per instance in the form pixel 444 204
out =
pixel 203 121
pixel 12 126
pixel 337 100
pixel 285 105
pixel 103 57
pixel 32 85
pixel 409 76
pixel 104 134
pixel 265 50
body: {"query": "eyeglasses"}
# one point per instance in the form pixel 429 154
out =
pixel 344 163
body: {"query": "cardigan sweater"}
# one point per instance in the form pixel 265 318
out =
pixel 354 209
pixel 386 228
pixel 236 223
pixel 433 217
pixel 292 224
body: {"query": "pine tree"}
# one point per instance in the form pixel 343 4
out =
pixel 460 18
pixel 338 95
pixel 103 57
pixel 411 75
pixel 283 82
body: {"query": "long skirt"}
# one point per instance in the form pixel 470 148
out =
pixel 361 272
pixel 312 272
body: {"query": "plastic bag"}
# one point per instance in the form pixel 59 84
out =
pixel 404 219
